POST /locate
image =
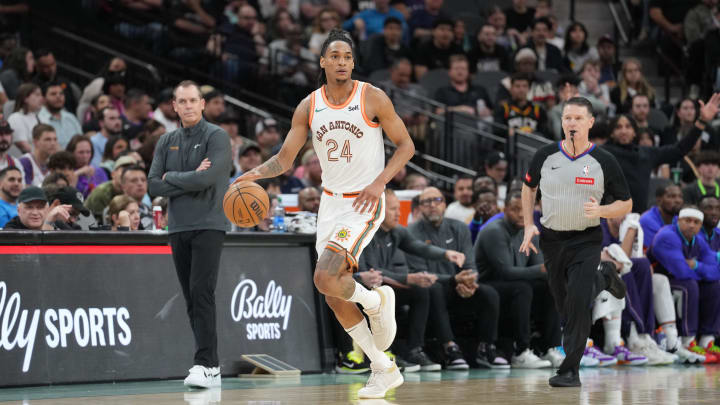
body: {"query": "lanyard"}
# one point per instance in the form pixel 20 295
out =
pixel 704 192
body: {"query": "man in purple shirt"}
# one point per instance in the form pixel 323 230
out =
pixel 710 207
pixel 668 200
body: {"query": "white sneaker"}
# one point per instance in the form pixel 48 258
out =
pixel 381 380
pixel 589 361
pixel 685 356
pixel 653 358
pixel 203 397
pixel 667 358
pixel 203 377
pixel 382 319
pixel 554 356
pixel 528 359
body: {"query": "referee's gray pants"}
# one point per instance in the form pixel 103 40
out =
pixel 572 259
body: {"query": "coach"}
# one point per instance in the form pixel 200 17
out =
pixel 579 184
pixel 192 167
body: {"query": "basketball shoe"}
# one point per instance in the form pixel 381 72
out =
pixel 203 377
pixel 712 349
pixel 353 363
pixel 625 357
pixel 686 356
pixel 555 355
pixel 405 366
pixel 381 380
pixel 593 352
pixel 418 356
pixel 382 318
pixel 528 359
pixel 710 358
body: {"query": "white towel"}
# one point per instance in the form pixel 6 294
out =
pixel 632 220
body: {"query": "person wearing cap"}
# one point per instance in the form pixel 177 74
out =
pixel 71 197
pixel 708 171
pixel 164 112
pixel 692 268
pixel 267 136
pixel 11 184
pixel 609 66
pixel 214 105
pixel 249 157
pixel 518 113
pixel 539 91
pixel 6 141
pixel 101 196
pixel 54 113
pixel 34 213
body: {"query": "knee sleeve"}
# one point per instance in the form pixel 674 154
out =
pixel 663 299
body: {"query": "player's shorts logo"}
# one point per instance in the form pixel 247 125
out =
pixel 343 235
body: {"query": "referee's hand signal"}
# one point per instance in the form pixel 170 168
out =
pixel 530 232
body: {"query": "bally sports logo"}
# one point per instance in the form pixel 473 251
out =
pixel 86 327
pixel 247 304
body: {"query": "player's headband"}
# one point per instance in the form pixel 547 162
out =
pixel 691 213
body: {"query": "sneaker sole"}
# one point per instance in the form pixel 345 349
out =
pixel 387 298
pixel 343 370
pixel 458 367
pixel 398 382
pixel 434 367
pixel 412 369
pixel 198 385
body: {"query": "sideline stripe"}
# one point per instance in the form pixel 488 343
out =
pixel 85 250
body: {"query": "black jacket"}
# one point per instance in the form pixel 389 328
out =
pixel 497 251
pixel 451 234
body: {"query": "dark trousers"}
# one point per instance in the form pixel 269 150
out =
pixel 639 304
pixel 482 308
pixel 698 307
pixel 197 259
pixel 572 259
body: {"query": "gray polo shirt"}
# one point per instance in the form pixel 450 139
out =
pixel 567 183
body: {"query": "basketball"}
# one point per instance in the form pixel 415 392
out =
pixel 246 204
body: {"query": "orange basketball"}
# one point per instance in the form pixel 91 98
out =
pixel 246 204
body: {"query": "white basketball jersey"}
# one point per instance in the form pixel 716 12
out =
pixel 348 144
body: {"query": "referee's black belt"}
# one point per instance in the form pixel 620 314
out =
pixel 551 234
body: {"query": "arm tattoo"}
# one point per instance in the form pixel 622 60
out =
pixel 271 168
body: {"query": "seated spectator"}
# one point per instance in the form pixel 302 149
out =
pixel 458 295
pixel 115 65
pixel 435 53
pixel 485 211
pixel 410 109
pixel 17 69
pixel 708 169
pixel 422 18
pixel 63 162
pixel 577 51
pixel 709 205
pixel 640 111
pixel 35 164
pixel 485 182
pixel 71 198
pixel 267 137
pixel 632 82
pixel 290 60
pixel 609 67
pixel 90 122
pixel 370 21
pixel 324 22
pixel 521 282
pixel 46 73
pixel 165 113
pixel 519 20
pixel 309 200
pixel 539 91
pixel 290 184
pixel 415 181
pixel 668 201
pixel 312 171
pixel 114 85
pixel 54 114
pixel 549 56
pixel 55 179
pixel 123 213
pixel 669 15
pixel 110 125
pixel 461 39
pixel 272 186
pixel 382 50
pixel 462 208
pixel 461 95
pixel 249 158
pixel 519 114
pixel 591 88
pixel 6 142
pixel 162 202
pixel 137 112
pixel 693 272
pixel 487 55
pixel 11 184
pixel 214 105
pixel 34 213
pixel 133 181
pixel 24 118
pixel 115 146
pixel 698 21
pixel 238 45
pixel 144 143
pixel 496 17
pixel 101 196
pixel 686 113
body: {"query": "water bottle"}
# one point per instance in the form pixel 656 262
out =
pixel 278 217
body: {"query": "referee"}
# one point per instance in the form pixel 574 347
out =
pixel 579 184
pixel 192 167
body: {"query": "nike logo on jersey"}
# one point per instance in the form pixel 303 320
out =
pixel 449 240
pixel 554 167
pixel 320 109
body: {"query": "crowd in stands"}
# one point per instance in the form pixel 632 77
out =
pixel 76 156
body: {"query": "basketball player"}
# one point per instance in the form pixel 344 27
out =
pixel 346 119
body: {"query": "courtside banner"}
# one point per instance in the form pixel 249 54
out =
pixel 85 312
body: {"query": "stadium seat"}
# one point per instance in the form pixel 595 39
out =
pixel 433 80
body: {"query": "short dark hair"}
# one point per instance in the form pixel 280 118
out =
pixel 39 129
pixel 443 21
pixel 702 199
pixel 42 52
pixel 476 195
pixel 520 76
pixel 46 86
pixel 632 100
pixel 101 113
pixel 61 160
pixel 131 168
pixel 541 20
pixel 581 102
pixel 398 61
pixel 186 83
pixel 708 157
pixel 134 95
pixel 567 78
pixel 48 183
pixel 392 20
pixel 512 195
pixel 663 188
pixel 5 171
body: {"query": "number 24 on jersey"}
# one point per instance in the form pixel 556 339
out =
pixel 333 147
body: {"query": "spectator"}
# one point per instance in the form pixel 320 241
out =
pixel 123 213
pixel 485 182
pixel 487 55
pixel 485 211
pixel 145 142
pixel 55 114
pixel 110 126
pixel 11 184
pixel 708 170
pixel 555 34
pixel 685 115
pixel 101 196
pixel 291 60
pixel 591 88
pixel 519 18
pixel 410 109
pixel 165 113
pixel 496 17
pixel 366 23
pixel 63 162
pixel 415 181
pixel 567 88
pixel 24 117
pixel 312 171
pixel 115 146
pixel 710 207
pixel 133 181
pixel 214 105
pixel 309 200
pixel 693 272
pixel 309 9
pixel 632 82
pixel 539 91
pixel 70 197
pixel 6 141
pixel 521 282
pixel 549 56
pixel 46 73
pixel 249 157
pixel 34 212
pixel 114 86
pixel 577 50
pixel 461 39
pixel 669 16
pixel 519 114
pixel 668 201
pixel 640 111
pixel 137 111
pixel 609 67
pixel 462 208
pixel 55 179
pixel 457 295
pixel 35 164
pixel 435 53
pixel 698 21
pixel 115 66
pixel 461 95
pixel 324 22
pixel 238 45
pixel 18 68
pixel 88 175
pixel 382 50
pixel 422 19
pixel 496 167
pixel 90 121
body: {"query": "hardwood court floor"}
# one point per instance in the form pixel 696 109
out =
pixel 618 385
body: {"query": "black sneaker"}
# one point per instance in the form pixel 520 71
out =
pixel 570 378
pixel 615 285
pixel 353 363
pixel 454 359
pixel 488 357
pixel 418 356
pixel 406 366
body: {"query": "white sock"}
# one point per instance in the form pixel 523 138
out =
pixel 705 340
pixel 362 336
pixel 367 298
pixel 612 334
pixel 671 334
pixel 633 338
pixel 686 340
pixel 662 299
